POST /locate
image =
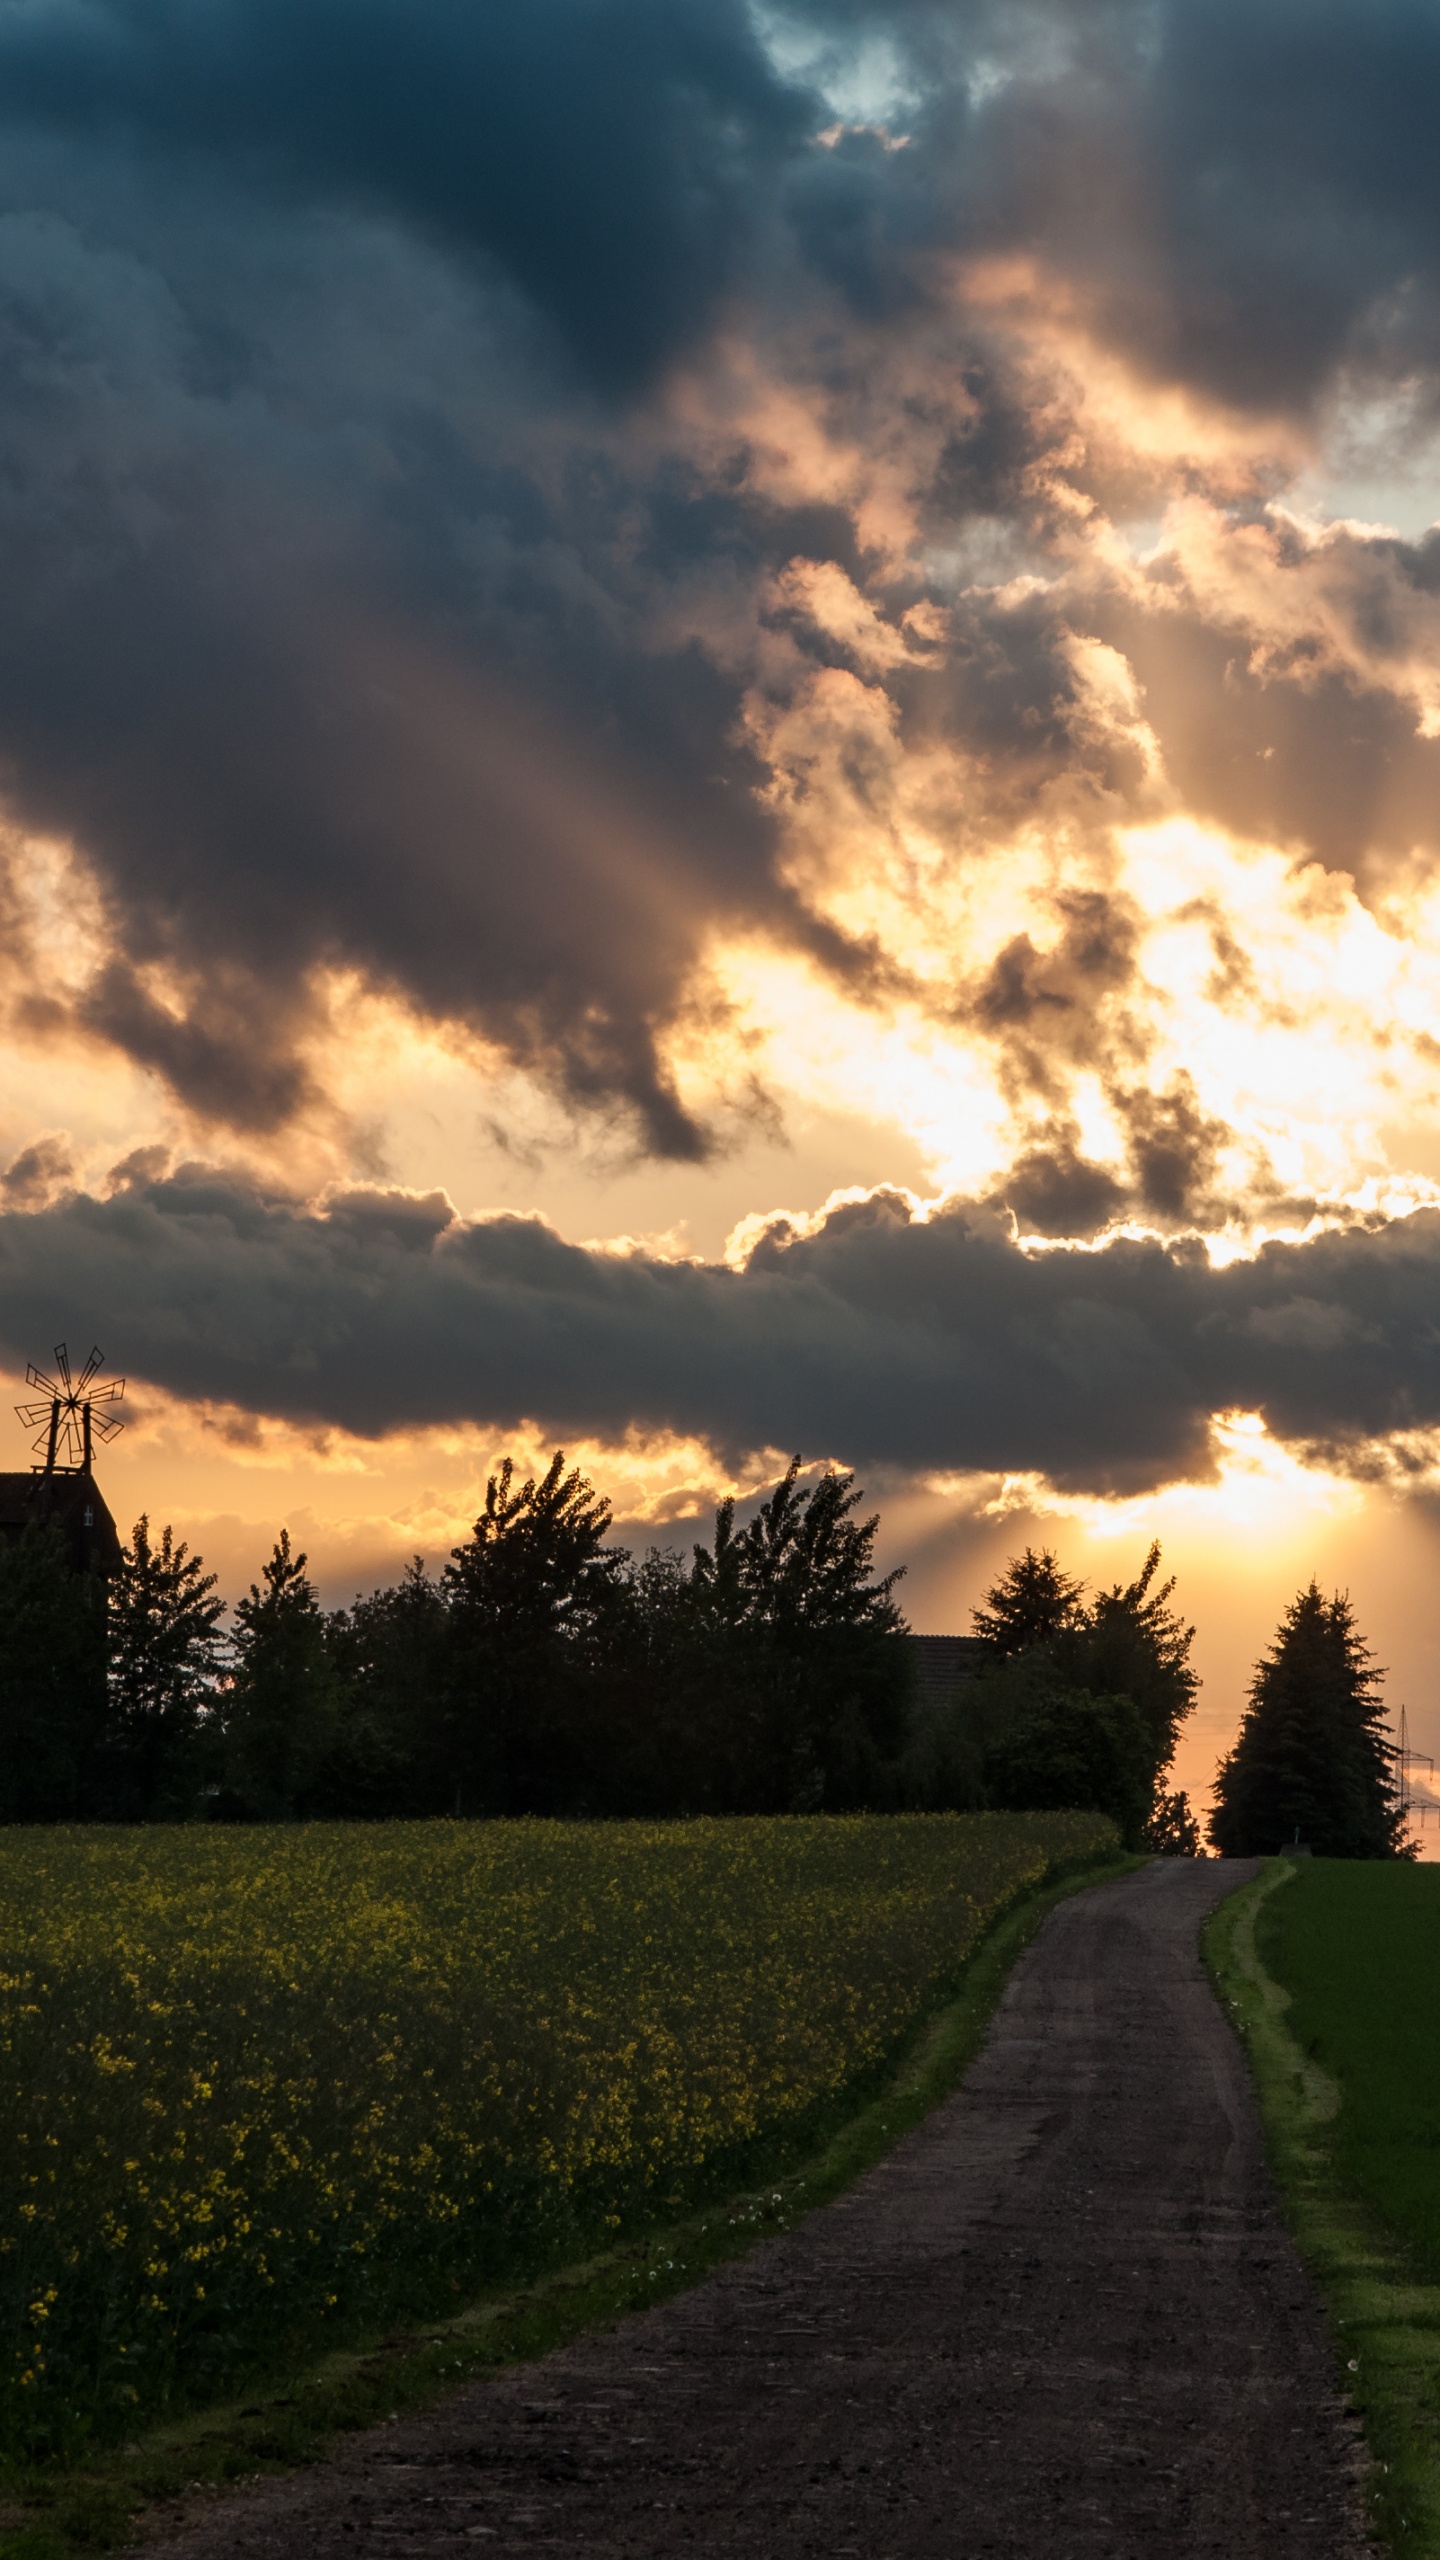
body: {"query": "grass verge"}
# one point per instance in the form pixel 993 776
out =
pixel 106 2501
pixel 1383 2305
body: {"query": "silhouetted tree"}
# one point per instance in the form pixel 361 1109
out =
pixel 798 1664
pixel 1079 1693
pixel 164 1660
pixel 1032 1603
pixel 390 1754
pixel 1311 1756
pixel 533 1600
pixel 1066 1748
pixel 281 1714
pixel 1129 1642
pixel 1172 1830
pixel 52 1680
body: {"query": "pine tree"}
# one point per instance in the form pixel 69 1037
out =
pixel 164 1659
pixel 1032 1603
pixel 1311 1757
pixel 282 1712
pixel 1172 1830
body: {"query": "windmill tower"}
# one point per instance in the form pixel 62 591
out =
pixel 68 1417
pixel 67 1422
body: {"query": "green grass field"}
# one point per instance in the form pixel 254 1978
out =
pixel 1357 1946
pixel 262 2090
pixel 1331 1972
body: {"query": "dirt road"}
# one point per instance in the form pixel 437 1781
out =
pixel 1061 2321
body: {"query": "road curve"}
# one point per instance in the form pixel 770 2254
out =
pixel 1062 2320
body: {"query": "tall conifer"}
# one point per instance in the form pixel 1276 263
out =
pixel 1311 1756
pixel 164 1669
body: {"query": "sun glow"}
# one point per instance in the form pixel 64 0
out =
pixel 1259 1490
pixel 1291 1018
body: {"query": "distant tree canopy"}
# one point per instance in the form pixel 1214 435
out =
pixel 546 1670
pixel 1083 1700
pixel 1310 1759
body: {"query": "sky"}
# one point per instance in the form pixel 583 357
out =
pixel 720 734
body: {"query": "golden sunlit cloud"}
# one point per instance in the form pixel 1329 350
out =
pixel 230 1479
pixel 1259 1491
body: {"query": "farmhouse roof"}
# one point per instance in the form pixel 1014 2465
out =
pixel 945 1662
pixel 72 1499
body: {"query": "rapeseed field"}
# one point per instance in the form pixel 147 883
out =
pixel 258 2086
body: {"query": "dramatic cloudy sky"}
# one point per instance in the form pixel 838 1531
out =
pixel 720 732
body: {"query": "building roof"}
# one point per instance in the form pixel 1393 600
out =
pixel 72 1499
pixel 945 1662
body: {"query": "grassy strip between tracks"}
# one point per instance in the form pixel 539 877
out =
pixel 107 2501
pixel 1383 2303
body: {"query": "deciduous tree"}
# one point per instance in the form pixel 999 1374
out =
pixel 389 1654
pixel 533 1598
pixel 1086 1686
pixel 802 1661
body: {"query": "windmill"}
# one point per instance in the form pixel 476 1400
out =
pixel 73 1414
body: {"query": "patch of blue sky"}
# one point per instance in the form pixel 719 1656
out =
pixel 860 74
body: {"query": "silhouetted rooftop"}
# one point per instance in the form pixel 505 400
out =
pixel 946 1661
pixel 73 1500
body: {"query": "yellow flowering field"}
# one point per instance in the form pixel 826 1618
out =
pixel 259 2085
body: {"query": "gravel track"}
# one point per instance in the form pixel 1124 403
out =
pixel 1062 2320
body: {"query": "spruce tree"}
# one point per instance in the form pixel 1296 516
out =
pixel 1311 1757
pixel 1032 1603
pixel 281 1716
pixel 164 1660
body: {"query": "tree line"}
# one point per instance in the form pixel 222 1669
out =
pixel 546 1670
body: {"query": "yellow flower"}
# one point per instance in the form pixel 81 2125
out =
pixel 293 2054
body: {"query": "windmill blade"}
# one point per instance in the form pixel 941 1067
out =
pixel 110 1393
pixel 34 1416
pixel 95 1361
pixel 62 1363
pixel 36 1378
pixel 105 1425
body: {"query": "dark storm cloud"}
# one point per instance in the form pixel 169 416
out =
pixel 605 153
pixel 877 1339
pixel 358 607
